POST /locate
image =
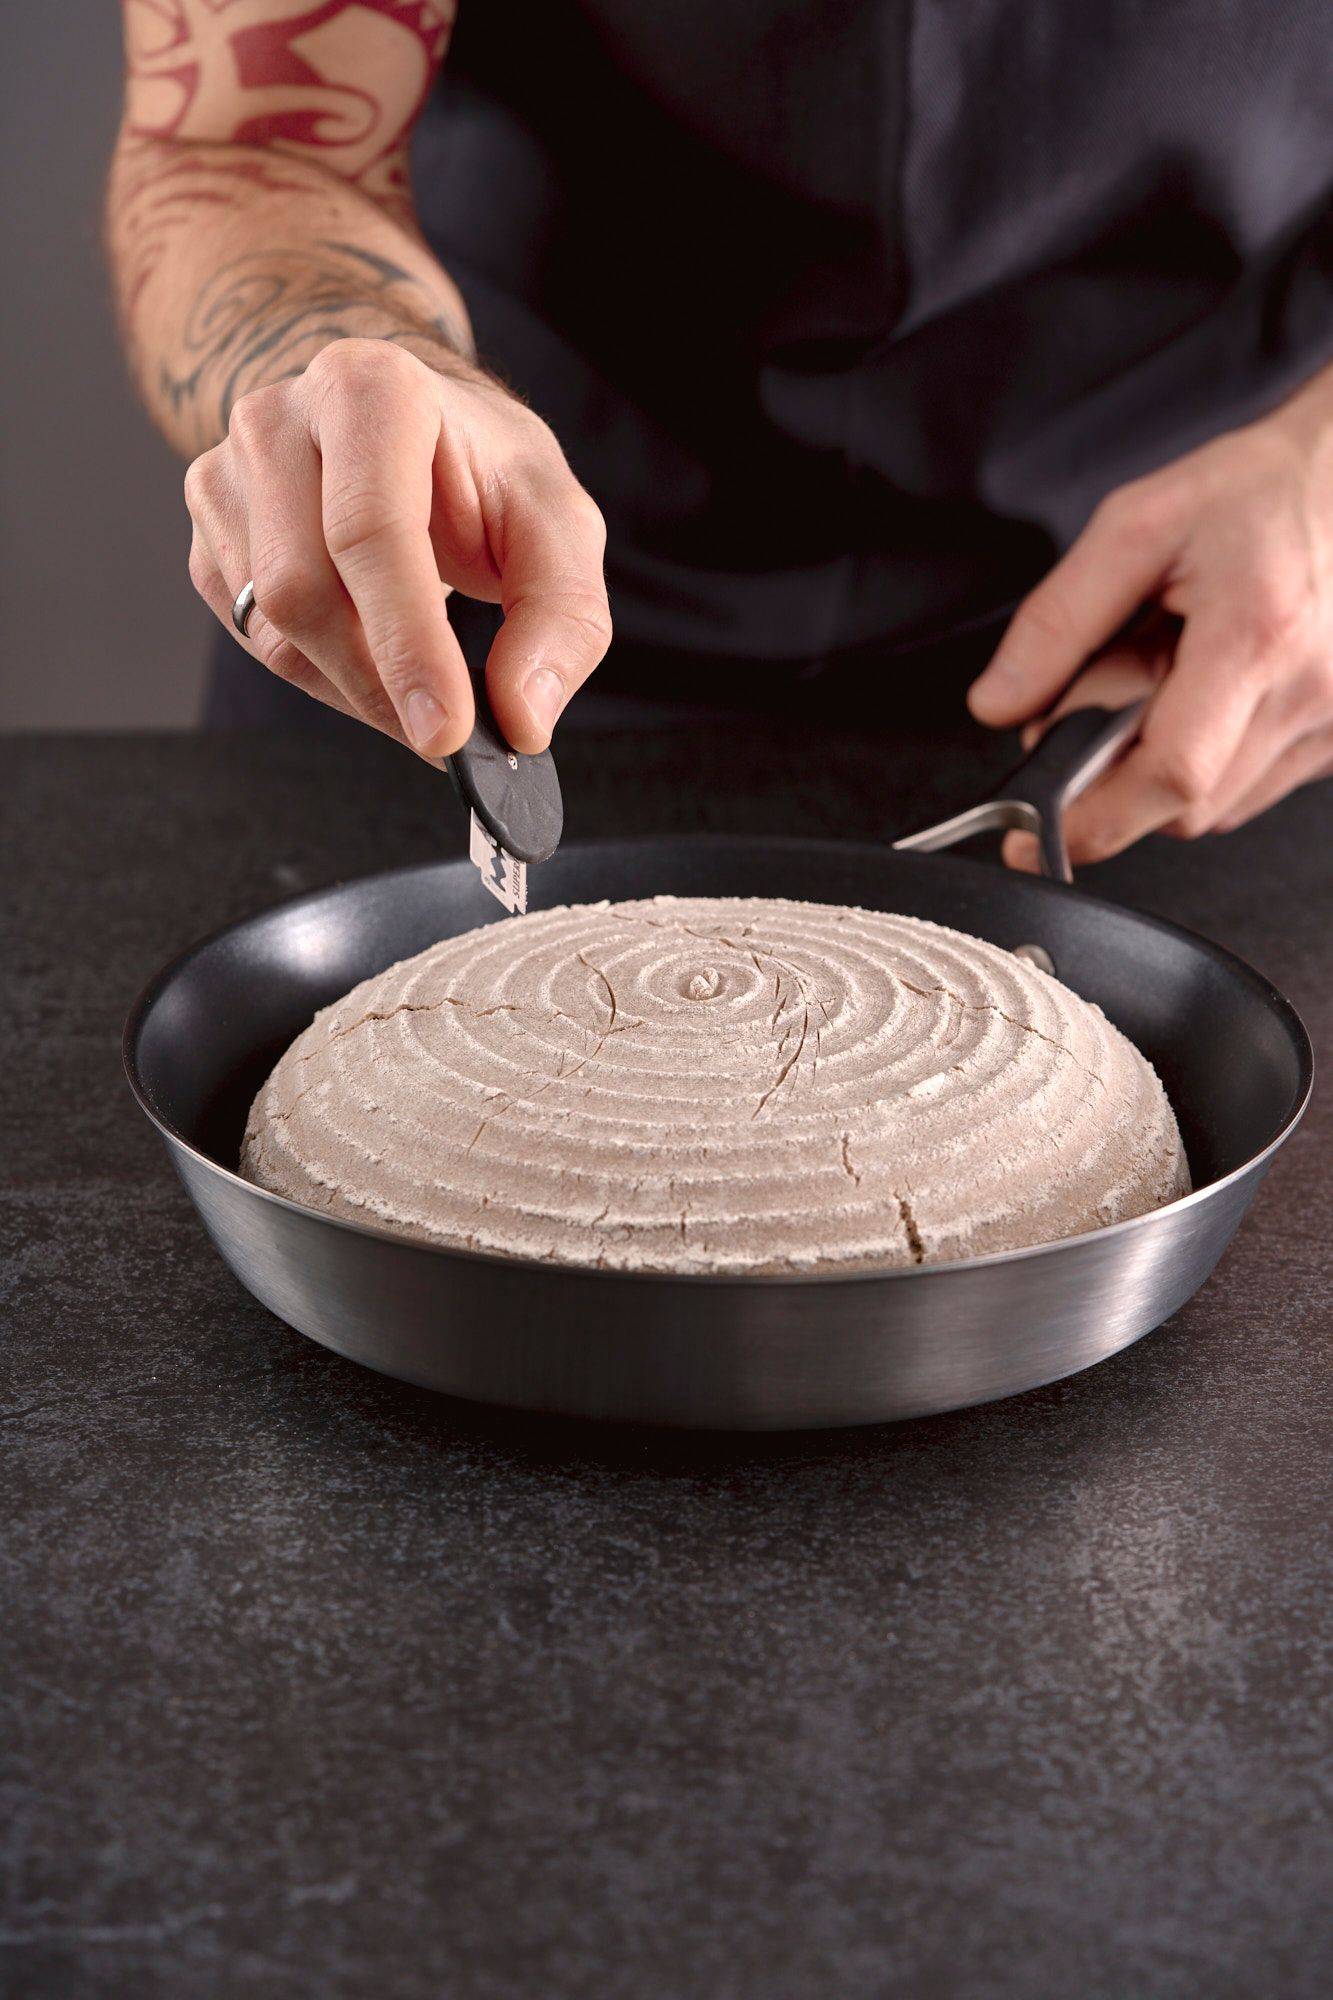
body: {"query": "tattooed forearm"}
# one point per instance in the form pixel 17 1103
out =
pixel 338 81
pixel 159 192
pixel 259 205
pixel 263 317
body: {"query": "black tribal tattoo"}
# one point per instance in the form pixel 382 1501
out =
pixel 262 318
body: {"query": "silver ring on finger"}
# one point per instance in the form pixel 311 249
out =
pixel 243 610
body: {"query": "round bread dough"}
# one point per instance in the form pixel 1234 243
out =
pixel 708 1084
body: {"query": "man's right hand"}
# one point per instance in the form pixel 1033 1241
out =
pixel 352 494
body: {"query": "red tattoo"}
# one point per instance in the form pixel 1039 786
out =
pixel 229 102
pixel 343 80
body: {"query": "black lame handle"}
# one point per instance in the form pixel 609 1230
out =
pixel 516 798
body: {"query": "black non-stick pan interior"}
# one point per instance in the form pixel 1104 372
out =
pixel 1229 1049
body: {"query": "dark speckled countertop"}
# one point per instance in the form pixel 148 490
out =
pixel 321 1685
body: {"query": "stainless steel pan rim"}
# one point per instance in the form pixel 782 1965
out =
pixel 1228 961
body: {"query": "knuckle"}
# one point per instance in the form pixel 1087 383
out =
pixel 374 705
pixel 535 441
pixel 356 515
pixel 1139 514
pixel 285 660
pixel 1190 824
pixel 1183 771
pixel 393 363
pixel 289 594
pixel 397 657
pixel 339 360
pixel 537 463
pixel 1043 618
pixel 241 424
pixel 589 518
pixel 254 416
pixel 1278 617
pixel 587 612
pixel 357 366
pixel 201 481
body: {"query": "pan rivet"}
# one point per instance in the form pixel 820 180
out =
pixel 1036 954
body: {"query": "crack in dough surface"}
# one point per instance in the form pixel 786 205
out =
pixel 709 1084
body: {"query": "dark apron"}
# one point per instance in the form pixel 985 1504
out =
pixel 848 313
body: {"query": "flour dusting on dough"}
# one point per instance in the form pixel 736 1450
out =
pixel 708 1084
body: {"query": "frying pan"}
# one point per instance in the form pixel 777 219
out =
pixel 731 1352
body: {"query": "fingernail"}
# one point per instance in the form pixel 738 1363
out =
pixel 544 692
pixel 424 718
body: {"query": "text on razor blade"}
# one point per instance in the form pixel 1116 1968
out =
pixel 506 878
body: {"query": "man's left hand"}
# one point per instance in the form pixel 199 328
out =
pixel 1232 547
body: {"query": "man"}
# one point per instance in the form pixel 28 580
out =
pixel 849 315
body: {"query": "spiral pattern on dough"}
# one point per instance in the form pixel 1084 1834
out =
pixel 716 1085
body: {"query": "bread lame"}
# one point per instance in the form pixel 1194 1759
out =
pixel 516 811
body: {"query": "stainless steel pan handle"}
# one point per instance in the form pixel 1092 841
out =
pixel 1033 797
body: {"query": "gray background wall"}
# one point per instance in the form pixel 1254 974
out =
pixel 100 626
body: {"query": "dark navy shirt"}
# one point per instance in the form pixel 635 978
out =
pixel 847 312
